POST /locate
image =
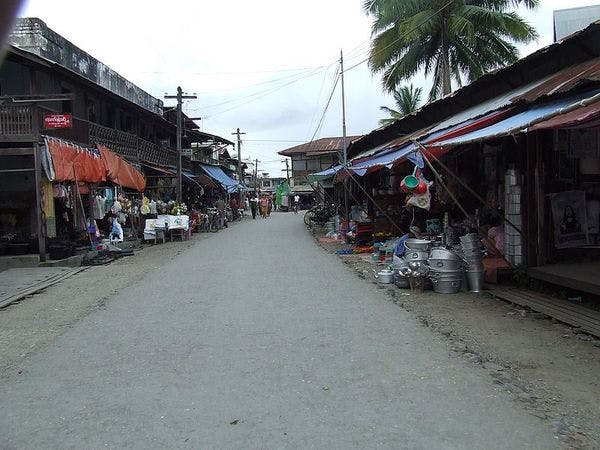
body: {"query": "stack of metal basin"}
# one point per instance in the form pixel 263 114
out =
pixel 473 257
pixel 446 270
pixel 400 280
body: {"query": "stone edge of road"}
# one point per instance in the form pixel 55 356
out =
pixel 572 428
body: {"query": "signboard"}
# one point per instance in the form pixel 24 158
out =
pixel 53 121
pixel 570 219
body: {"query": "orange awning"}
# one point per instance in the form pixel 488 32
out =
pixel 72 162
pixel 120 171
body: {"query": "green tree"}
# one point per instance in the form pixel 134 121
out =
pixel 448 39
pixel 407 101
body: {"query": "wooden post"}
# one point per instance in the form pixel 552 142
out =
pixel 37 165
pixel 41 232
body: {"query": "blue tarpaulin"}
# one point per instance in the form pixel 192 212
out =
pixel 518 122
pixel 217 174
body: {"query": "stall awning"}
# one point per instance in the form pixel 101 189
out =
pixel 390 156
pixel 217 174
pixel 166 172
pixel 206 181
pixel 578 117
pixel 120 172
pixel 191 178
pixel 324 174
pixel 66 161
pixel 523 120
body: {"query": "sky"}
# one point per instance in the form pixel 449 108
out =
pixel 265 66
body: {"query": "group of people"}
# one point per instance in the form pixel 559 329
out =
pixel 262 204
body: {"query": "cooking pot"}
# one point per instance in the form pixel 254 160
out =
pixel 417 244
pixel 442 253
pixel 444 265
pixel 385 276
pixel 416 255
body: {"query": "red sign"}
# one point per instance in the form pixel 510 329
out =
pixel 52 121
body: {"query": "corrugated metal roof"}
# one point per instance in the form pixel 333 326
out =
pixel 320 146
pixel 563 81
pixel 490 90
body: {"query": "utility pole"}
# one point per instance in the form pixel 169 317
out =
pixel 344 156
pixel 239 145
pixel 287 170
pixel 256 161
pixel 180 96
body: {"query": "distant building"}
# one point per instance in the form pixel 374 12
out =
pixel 568 21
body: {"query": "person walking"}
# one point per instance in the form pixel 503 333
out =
pixel 296 203
pixel 254 205
pixel 233 204
pixel 269 205
pixel 264 204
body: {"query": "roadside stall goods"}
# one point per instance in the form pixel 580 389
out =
pixel 449 268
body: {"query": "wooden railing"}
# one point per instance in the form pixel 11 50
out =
pixel 125 144
pixel 16 123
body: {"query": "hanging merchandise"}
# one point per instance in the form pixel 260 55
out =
pixel 418 187
pixel 145 208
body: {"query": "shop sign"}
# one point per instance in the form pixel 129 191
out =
pixel 52 121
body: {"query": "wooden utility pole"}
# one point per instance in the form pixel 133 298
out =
pixel 287 170
pixel 256 161
pixel 180 96
pixel 344 156
pixel 239 148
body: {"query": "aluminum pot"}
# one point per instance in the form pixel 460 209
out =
pixel 442 253
pixel 416 255
pixel 444 265
pixel 417 244
pixel 401 281
pixel 446 286
pixel 385 276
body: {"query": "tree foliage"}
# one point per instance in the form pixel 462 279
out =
pixel 451 40
pixel 407 101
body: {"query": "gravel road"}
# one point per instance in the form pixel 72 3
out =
pixel 253 338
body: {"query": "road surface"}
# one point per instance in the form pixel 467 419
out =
pixel 256 338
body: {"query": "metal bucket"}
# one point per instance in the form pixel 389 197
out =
pixel 475 280
pixel 469 238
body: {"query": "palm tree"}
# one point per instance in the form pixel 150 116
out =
pixel 449 39
pixel 407 101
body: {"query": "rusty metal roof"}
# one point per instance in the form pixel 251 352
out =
pixel 318 147
pixel 564 81
pixel 536 70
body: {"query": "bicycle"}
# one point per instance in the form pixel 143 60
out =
pixel 320 215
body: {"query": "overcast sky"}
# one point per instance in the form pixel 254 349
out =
pixel 264 66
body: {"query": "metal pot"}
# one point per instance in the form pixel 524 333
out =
pixel 416 255
pixel 446 286
pixel 442 253
pixel 412 244
pixel 385 276
pixel 444 265
pixel 401 281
